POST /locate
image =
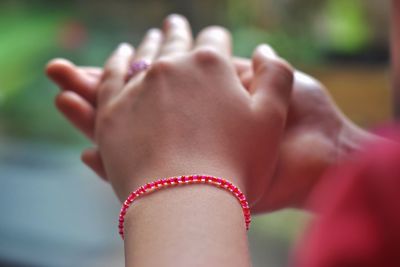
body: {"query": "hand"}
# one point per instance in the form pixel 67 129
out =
pixel 315 123
pixel 190 114
pixel 315 138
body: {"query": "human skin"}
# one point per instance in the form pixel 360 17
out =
pixel 166 128
pixel 189 113
pixel 317 134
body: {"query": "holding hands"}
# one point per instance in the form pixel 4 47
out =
pixel 198 110
pixel 189 113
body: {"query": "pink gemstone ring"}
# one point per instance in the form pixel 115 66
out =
pixel 137 67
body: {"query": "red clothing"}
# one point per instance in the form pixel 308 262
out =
pixel 359 207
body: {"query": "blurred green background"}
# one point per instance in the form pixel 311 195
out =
pixel 344 43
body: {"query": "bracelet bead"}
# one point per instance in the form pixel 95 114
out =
pixel 184 180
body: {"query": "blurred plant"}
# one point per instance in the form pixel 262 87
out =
pixel 347 26
pixel 276 23
pixel 24 39
pixel 27 38
pixel 297 49
pixel 302 31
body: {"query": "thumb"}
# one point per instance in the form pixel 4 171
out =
pixel 273 79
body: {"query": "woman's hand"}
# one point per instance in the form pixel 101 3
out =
pixel 189 113
pixel 317 134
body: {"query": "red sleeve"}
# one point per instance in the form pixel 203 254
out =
pixel 359 221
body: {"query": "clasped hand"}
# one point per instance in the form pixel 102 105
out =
pixel 199 110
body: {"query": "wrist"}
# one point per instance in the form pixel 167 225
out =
pixel 353 139
pixel 170 216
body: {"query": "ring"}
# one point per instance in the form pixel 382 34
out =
pixel 137 67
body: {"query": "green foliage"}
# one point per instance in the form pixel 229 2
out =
pixel 347 25
pixel 295 48
pixel 26 96
pixel 24 39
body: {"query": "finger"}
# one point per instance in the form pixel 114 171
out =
pixel 273 78
pixel 115 73
pixel 242 65
pixel 150 46
pixel 69 77
pixel 246 78
pixel 78 111
pixel 244 70
pixel 146 54
pixel 91 157
pixel 215 38
pixel 92 71
pixel 177 36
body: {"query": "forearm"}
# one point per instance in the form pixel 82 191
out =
pixel 192 225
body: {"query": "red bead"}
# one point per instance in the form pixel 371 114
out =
pixel 185 179
pixel 246 210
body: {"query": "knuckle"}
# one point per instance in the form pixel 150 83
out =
pixel 277 112
pixel 207 55
pixel 161 67
pixel 108 73
pixel 283 71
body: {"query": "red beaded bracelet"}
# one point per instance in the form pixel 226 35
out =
pixel 184 180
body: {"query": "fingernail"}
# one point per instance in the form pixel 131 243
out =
pixel 267 50
pixel 125 49
pixel 175 20
pixel 154 32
